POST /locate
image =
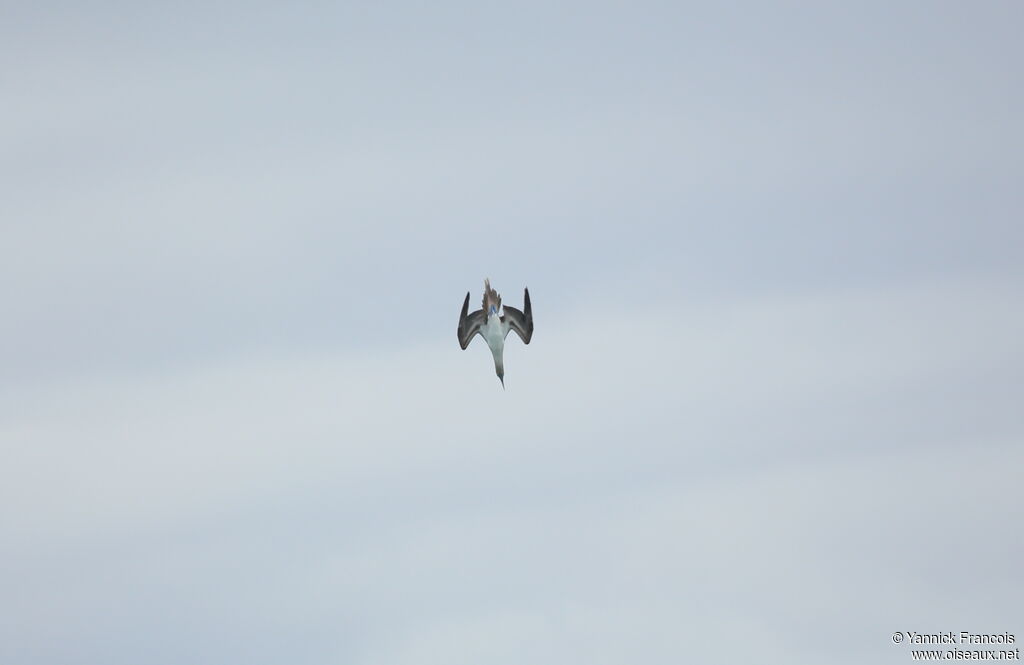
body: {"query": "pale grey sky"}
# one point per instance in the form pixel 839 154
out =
pixel 770 413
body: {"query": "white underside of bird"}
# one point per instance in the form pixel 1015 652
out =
pixel 494 333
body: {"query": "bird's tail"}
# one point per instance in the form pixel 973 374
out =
pixel 491 297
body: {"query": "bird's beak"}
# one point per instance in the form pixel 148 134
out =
pixel 502 379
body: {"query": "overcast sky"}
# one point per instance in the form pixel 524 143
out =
pixel 771 412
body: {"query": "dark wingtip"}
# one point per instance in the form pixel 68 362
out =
pixel 462 319
pixel 528 312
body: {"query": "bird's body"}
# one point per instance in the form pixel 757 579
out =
pixel 493 322
pixel 494 334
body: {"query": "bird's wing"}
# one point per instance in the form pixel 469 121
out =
pixel 521 322
pixel 469 324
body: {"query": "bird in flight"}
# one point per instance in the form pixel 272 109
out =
pixel 493 322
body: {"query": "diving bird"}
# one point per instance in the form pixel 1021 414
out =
pixel 493 322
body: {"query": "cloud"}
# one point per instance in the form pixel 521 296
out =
pixel 770 412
